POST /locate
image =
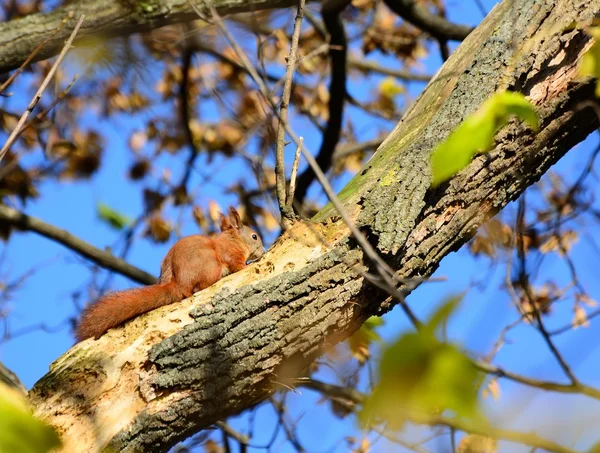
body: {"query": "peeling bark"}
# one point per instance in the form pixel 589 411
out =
pixel 172 372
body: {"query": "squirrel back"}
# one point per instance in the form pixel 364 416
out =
pixel 192 264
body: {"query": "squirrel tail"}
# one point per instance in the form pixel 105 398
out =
pixel 114 309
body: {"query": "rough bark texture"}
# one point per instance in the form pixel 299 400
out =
pixel 107 19
pixel 179 369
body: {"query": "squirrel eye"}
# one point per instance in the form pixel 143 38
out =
pixel 255 237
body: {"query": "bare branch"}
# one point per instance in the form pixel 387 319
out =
pixel 436 26
pixel 525 285
pixel 285 207
pixel 535 383
pixel 293 174
pixel 530 439
pixel 100 257
pixel 369 65
pixel 351 148
pixel 331 11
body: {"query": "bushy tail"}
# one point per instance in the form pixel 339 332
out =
pixel 115 308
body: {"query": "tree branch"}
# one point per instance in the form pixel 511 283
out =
pixel 38 95
pixel 102 258
pixel 538 384
pixel 179 369
pixel 11 379
pixel 106 19
pixel 370 65
pixel 530 439
pixel 338 51
pixel 436 26
pixel 285 207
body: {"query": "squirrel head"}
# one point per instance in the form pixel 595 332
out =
pixel 233 222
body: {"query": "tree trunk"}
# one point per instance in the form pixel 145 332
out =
pixel 172 372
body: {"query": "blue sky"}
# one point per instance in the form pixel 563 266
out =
pixel 47 296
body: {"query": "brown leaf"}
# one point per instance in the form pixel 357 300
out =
pixel 180 196
pixel 153 200
pixel 560 244
pixel 213 212
pixel 210 446
pixel 139 169
pixel 17 182
pixel 137 141
pixel 481 244
pixel 493 389
pixel 474 443
pixel 158 229
pixel 200 218
pixel 580 317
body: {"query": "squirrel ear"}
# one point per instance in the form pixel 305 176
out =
pixel 234 218
pixel 225 223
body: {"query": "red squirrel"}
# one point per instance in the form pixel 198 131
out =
pixel 192 264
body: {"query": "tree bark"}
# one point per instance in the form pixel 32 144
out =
pixel 172 372
pixel 106 19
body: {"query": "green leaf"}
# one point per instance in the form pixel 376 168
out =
pixel 441 315
pixel 19 430
pixel 420 374
pixel 476 133
pixel 590 61
pixel 114 218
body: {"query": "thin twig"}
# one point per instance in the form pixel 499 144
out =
pixel 285 205
pixel 372 66
pixel 293 174
pixel 331 11
pixel 345 149
pixel 573 325
pixel 524 282
pixel 233 433
pixel 17 130
pixel 6 169
pixel 538 384
pixel 383 269
pixel 53 104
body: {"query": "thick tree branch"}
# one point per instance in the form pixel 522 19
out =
pixel 106 19
pixel 167 374
pixel 104 259
pixel 11 379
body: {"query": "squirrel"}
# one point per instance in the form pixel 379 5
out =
pixel 192 264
